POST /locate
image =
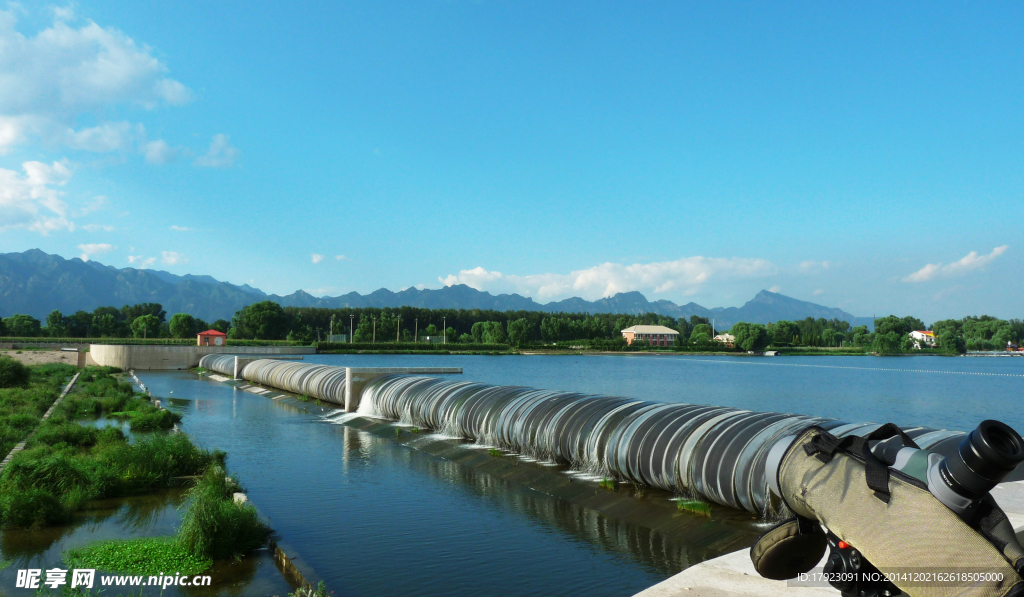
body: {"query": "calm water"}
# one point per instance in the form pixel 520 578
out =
pixel 939 392
pixel 375 517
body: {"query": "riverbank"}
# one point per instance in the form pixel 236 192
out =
pixel 105 442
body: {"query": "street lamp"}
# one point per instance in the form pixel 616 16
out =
pixel 351 329
pixel 444 334
pixel 374 329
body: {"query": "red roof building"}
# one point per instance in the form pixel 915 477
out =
pixel 211 338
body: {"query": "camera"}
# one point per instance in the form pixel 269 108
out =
pixel 983 459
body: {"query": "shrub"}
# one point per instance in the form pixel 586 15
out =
pixel 154 420
pixel 214 526
pixel 31 508
pixel 13 374
pixel 53 433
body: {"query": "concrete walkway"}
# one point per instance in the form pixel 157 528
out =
pixel 733 575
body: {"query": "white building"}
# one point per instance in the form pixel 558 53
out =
pixel 657 335
pixel 727 339
pixel 924 337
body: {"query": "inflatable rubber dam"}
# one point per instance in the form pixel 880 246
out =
pixel 711 452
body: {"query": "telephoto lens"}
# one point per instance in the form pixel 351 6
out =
pixel 982 460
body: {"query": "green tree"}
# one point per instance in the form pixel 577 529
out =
pixel 750 336
pixel 132 312
pixel 950 343
pixel 55 324
pixel 829 337
pixel 888 343
pixel 450 334
pixel 465 339
pixel 183 325
pixel 23 326
pixel 264 320
pixel 520 332
pixel 221 325
pixel 105 326
pixel 477 332
pixel 701 330
pixel 494 333
pixel 146 326
pixel 699 339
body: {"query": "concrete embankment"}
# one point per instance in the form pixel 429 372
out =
pixel 163 357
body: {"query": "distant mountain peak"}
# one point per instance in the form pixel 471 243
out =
pixel 35 283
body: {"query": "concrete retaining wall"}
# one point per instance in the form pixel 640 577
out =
pixel 166 357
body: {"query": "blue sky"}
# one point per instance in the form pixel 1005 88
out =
pixel 862 155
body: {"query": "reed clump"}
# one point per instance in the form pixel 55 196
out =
pixel 607 483
pixel 214 525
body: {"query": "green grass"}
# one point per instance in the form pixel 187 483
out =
pixel 698 507
pixel 606 483
pixel 214 526
pixel 148 556
pixel 22 407
pixel 99 393
pixel 496 453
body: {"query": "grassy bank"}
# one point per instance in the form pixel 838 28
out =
pixel 67 464
pixel 25 395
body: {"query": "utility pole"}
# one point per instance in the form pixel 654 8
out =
pixel 416 336
pixel 374 330
pixel 351 329
pixel 332 328
pixel 398 329
pixel 444 334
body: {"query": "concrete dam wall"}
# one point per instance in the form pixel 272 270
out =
pixel 168 357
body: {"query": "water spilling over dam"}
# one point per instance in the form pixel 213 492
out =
pixel 716 453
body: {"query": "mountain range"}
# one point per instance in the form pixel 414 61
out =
pixel 35 283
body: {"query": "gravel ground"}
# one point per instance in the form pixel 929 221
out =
pixel 39 357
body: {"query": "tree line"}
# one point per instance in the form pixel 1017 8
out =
pixel 267 320
pixel 142 320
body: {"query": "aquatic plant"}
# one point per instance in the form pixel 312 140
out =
pixel 699 507
pixel 606 483
pixel 214 526
pixel 496 453
pixel 309 591
pixel 147 556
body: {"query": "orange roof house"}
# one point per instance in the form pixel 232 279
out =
pixel 211 338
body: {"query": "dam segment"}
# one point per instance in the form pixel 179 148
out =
pixel 708 452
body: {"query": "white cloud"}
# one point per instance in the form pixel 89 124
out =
pixel 775 289
pixel 105 138
pixel 88 250
pixel 98 227
pixel 32 201
pixel 159 152
pixel 684 276
pixel 316 258
pixel 819 292
pixel 172 258
pixel 221 154
pixel 182 229
pixel 144 262
pixel 970 262
pixel 340 258
pixel 814 266
pixel 49 79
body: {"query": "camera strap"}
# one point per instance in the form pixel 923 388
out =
pixel 876 472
